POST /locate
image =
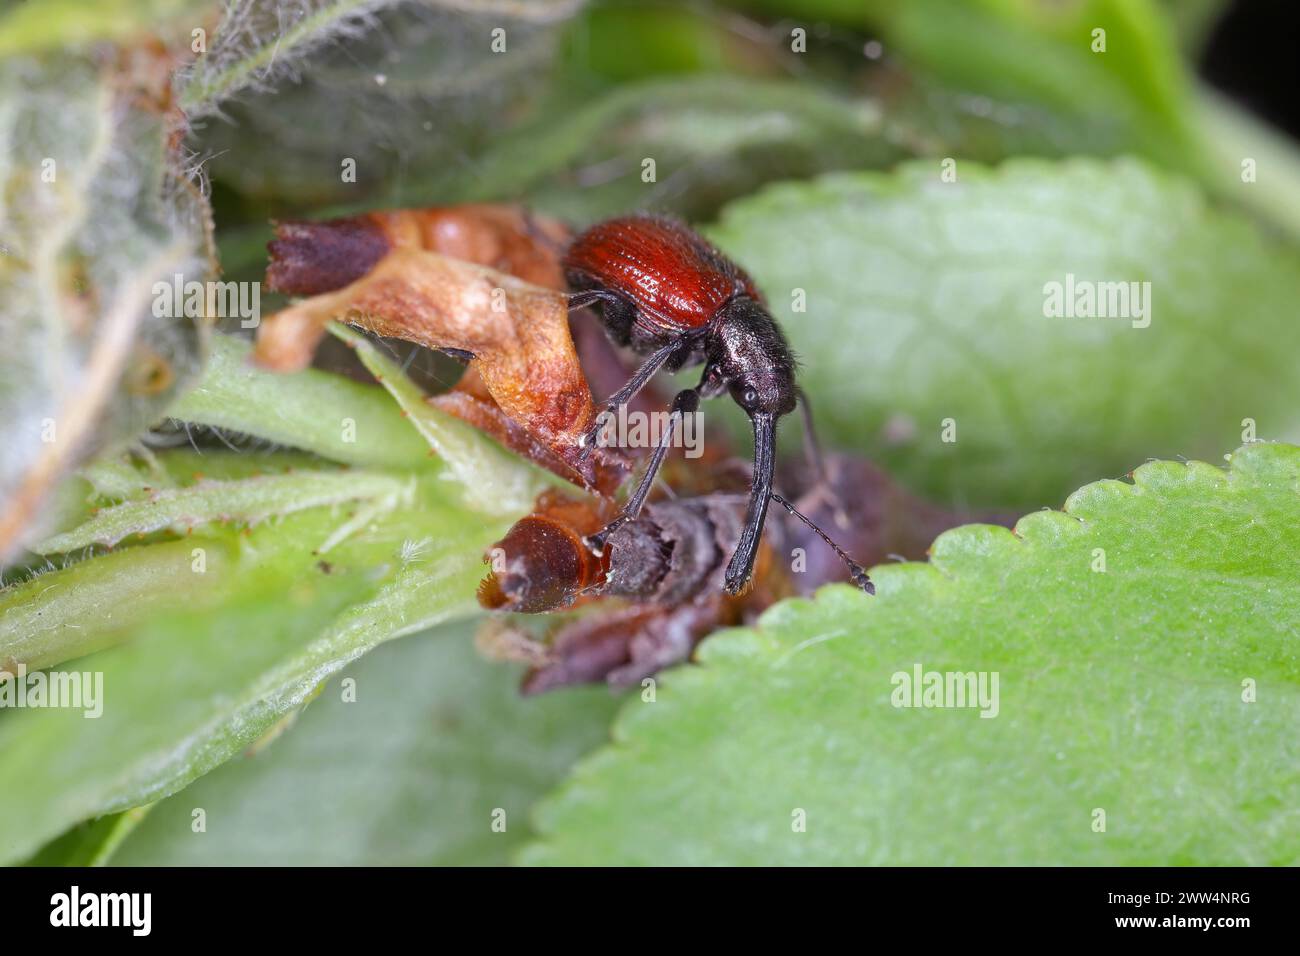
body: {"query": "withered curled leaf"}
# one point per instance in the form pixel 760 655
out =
pixel 434 277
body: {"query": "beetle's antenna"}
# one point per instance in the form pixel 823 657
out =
pixel 812 448
pixel 856 571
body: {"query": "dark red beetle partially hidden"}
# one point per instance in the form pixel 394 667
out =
pixel 667 293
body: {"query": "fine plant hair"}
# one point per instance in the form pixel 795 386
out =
pixel 260 45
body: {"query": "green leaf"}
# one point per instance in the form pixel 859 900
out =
pixel 139 476
pixel 216 658
pixel 1231 138
pixel 1127 691
pixel 190 691
pixel 926 302
pixel 634 41
pixel 92 843
pixel 988 79
pixel 234 626
pixel 312 410
pixel 1031 52
pixel 87 604
pixel 1193 21
pixel 713 138
pixel 407 773
pixel 250 501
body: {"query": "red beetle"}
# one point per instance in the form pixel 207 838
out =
pixel 665 292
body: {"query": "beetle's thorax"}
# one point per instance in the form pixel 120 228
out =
pixel 746 353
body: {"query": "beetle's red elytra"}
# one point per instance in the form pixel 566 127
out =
pixel 677 280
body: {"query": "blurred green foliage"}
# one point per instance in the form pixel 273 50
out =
pixel 944 284
pixel 410 772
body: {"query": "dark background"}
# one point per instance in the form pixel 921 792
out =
pixel 1253 55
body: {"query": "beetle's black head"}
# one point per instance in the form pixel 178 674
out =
pixel 746 353
pixel 751 356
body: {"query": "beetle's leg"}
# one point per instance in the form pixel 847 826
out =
pixel 581 300
pixel 463 356
pixel 617 312
pixel 643 375
pixel 625 394
pixel 812 450
pixel 686 402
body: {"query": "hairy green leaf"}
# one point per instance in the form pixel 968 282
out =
pixel 190 691
pixel 395 89
pixel 207 642
pixel 258 40
pixel 95 214
pixel 216 657
pixel 250 501
pixel 326 414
